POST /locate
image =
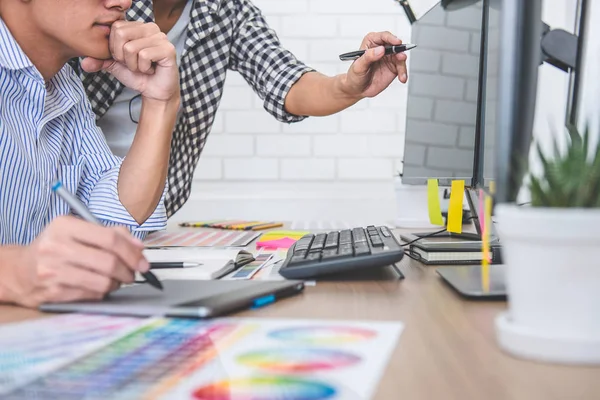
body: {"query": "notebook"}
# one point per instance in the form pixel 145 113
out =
pixel 214 263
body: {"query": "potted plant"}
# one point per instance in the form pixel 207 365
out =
pixel 551 249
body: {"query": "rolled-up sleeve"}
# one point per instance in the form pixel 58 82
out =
pixel 104 203
pixel 269 68
pixel 98 184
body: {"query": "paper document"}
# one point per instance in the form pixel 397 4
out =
pixel 226 358
pixel 215 263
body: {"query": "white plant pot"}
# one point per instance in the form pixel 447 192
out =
pixel 552 259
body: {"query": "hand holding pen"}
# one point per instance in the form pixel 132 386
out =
pixel 381 58
pixel 127 257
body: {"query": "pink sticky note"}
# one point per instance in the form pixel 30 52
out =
pixel 283 243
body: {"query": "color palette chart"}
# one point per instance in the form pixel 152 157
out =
pixel 228 358
pixel 29 350
pixel 200 239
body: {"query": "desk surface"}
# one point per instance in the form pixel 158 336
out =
pixel 448 349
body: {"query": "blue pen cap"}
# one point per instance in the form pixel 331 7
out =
pixel 56 185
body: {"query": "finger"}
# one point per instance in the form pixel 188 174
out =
pixel 126 31
pixel 90 64
pixel 65 294
pixel 96 261
pixel 76 277
pixel 129 250
pixel 374 39
pixel 383 38
pixel 132 48
pixel 362 65
pixel 113 240
pixel 155 55
pixel 401 67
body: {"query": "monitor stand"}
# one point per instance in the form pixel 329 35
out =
pixel 460 242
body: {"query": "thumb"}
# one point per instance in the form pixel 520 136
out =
pixel 90 64
pixel 362 65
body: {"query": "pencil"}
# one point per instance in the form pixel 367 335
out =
pixel 84 213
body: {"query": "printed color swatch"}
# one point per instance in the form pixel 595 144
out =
pixel 323 334
pixel 267 388
pixel 290 360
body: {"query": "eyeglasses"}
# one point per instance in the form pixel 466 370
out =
pixel 134 114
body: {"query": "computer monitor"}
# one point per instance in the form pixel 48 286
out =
pixel 526 43
pixel 443 113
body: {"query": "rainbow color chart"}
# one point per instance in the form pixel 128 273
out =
pixel 227 358
pixel 265 388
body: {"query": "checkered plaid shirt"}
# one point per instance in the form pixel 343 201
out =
pixel 222 35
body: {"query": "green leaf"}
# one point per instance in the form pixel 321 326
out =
pixel 570 178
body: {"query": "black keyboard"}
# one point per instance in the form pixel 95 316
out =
pixel 319 254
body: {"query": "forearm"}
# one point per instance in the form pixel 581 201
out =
pixel 318 95
pixel 143 173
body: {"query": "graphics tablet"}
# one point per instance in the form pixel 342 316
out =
pixel 185 298
pixel 466 280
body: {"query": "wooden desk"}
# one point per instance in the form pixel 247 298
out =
pixel 447 351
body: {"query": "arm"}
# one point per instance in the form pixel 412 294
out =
pixel 144 60
pixel 317 95
pixel 144 171
pixel 258 56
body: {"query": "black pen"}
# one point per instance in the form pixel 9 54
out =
pixel 168 264
pixel 84 213
pixel 353 55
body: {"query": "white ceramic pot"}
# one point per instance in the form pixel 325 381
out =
pixel 552 259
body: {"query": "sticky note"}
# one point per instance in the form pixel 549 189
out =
pixel 485 272
pixel 455 207
pixel 433 202
pixel 283 243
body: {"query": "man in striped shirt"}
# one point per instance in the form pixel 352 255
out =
pixel 48 132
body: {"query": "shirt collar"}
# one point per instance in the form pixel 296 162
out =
pixel 11 54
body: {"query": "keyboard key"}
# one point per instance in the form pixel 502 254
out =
pixel 346 249
pixel 359 235
pixel 361 249
pixel 304 242
pixel 295 260
pixel 385 231
pixel 313 257
pixel 346 237
pixel 332 240
pixel 318 243
pixel 376 242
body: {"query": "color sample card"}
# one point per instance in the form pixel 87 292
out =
pixel 200 239
pixel 250 269
pixel 227 358
pixel 31 349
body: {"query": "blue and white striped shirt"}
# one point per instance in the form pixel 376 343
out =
pixel 48 132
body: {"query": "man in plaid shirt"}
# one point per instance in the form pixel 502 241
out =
pixel 212 37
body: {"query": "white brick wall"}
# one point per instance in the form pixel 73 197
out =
pixel 364 142
pixel 249 155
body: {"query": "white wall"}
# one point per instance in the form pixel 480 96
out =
pixel 340 166
pixel 249 155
